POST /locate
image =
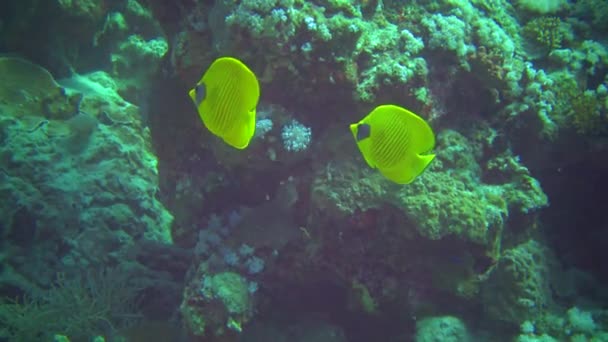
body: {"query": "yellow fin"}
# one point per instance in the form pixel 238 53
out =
pixel 228 105
pixel 423 139
pixel 409 168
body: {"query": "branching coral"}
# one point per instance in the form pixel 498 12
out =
pixel 583 110
pixel 488 66
pixel 587 114
pixel 79 307
pixel 544 32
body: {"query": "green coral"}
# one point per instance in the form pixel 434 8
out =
pixel 595 14
pixel 544 32
pixel 542 6
pixel 102 139
pixel 581 110
pixel 441 328
pixel 448 204
pixel 222 301
pixel 518 288
pixel 376 55
pixel 83 8
pixel 451 199
pixel 586 114
pixel 80 307
pixel 520 190
pixel 137 59
pixel 448 199
pixel 231 289
pixel 392 56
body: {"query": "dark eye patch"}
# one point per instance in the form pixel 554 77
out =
pixel 363 131
pixel 201 92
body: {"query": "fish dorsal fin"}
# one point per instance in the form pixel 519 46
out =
pixel 422 136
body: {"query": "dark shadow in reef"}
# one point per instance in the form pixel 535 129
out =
pixel 572 172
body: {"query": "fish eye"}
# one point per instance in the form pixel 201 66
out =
pixel 363 131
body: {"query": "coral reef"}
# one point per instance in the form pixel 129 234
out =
pixel 544 31
pixel 83 35
pixel 519 288
pixel 295 238
pixel 79 175
pixel 216 305
pixel 94 302
pixel 450 199
pixel 441 329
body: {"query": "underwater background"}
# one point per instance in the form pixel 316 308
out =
pixel 122 218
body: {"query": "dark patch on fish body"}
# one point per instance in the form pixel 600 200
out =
pixel 363 131
pixel 201 93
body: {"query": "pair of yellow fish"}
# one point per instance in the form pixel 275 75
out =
pixel 391 139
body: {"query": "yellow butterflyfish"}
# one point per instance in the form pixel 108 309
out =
pixel 395 141
pixel 226 98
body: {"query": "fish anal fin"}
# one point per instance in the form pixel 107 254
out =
pixel 406 171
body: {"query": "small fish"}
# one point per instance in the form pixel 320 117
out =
pixel 395 141
pixel 226 98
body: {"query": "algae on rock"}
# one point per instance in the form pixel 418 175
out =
pixel 81 179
